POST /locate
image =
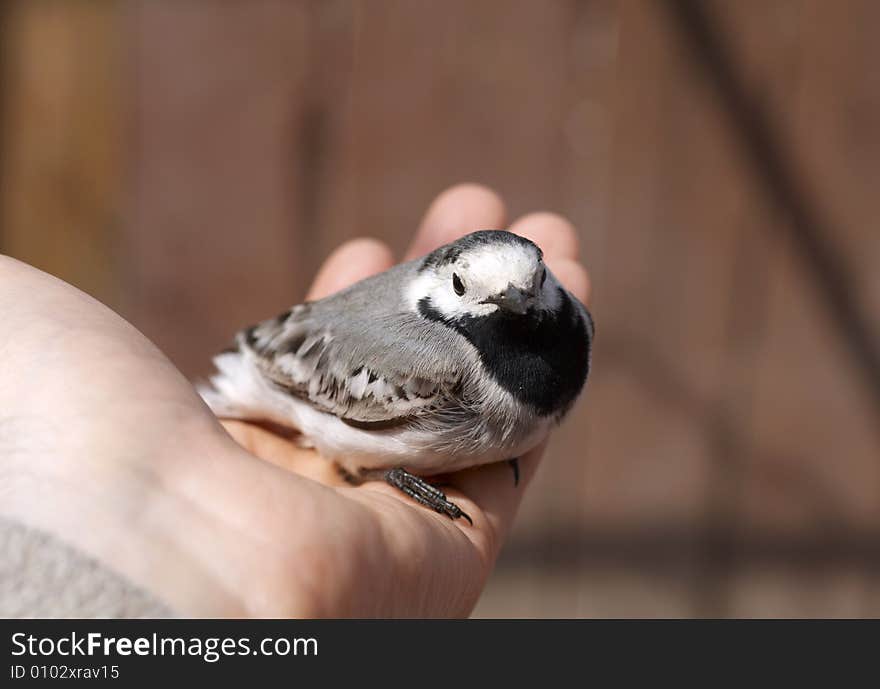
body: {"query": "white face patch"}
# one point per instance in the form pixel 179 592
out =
pixel 485 271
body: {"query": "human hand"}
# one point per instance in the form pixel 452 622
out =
pixel 103 442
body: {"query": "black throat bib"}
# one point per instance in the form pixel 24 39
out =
pixel 542 360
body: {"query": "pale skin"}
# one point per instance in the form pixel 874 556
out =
pixel 105 444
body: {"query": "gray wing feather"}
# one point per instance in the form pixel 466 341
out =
pixel 362 354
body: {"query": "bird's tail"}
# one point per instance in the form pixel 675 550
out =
pixel 231 392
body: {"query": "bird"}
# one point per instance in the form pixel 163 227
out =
pixel 464 357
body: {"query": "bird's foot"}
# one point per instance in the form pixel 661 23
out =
pixel 514 464
pixel 424 493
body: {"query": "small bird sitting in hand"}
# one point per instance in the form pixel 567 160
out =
pixel 464 357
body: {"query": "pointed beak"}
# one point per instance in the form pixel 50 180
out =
pixel 512 300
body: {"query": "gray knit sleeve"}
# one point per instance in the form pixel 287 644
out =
pixel 41 576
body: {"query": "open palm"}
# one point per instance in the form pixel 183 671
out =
pixel 103 442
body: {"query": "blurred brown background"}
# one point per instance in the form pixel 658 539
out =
pixel 191 162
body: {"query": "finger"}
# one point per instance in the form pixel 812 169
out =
pixel 492 488
pixel 573 276
pixel 555 235
pixel 355 260
pixel 456 212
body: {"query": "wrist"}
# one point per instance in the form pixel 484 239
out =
pixel 87 462
pixel 127 516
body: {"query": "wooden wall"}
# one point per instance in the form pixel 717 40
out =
pixel 191 164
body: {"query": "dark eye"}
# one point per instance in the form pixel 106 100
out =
pixel 543 277
pixel 457 284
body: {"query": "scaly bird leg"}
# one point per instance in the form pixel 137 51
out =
pixel 424 493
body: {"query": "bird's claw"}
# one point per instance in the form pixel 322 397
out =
pixel 514 464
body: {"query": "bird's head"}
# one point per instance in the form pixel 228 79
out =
pixel 486 272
